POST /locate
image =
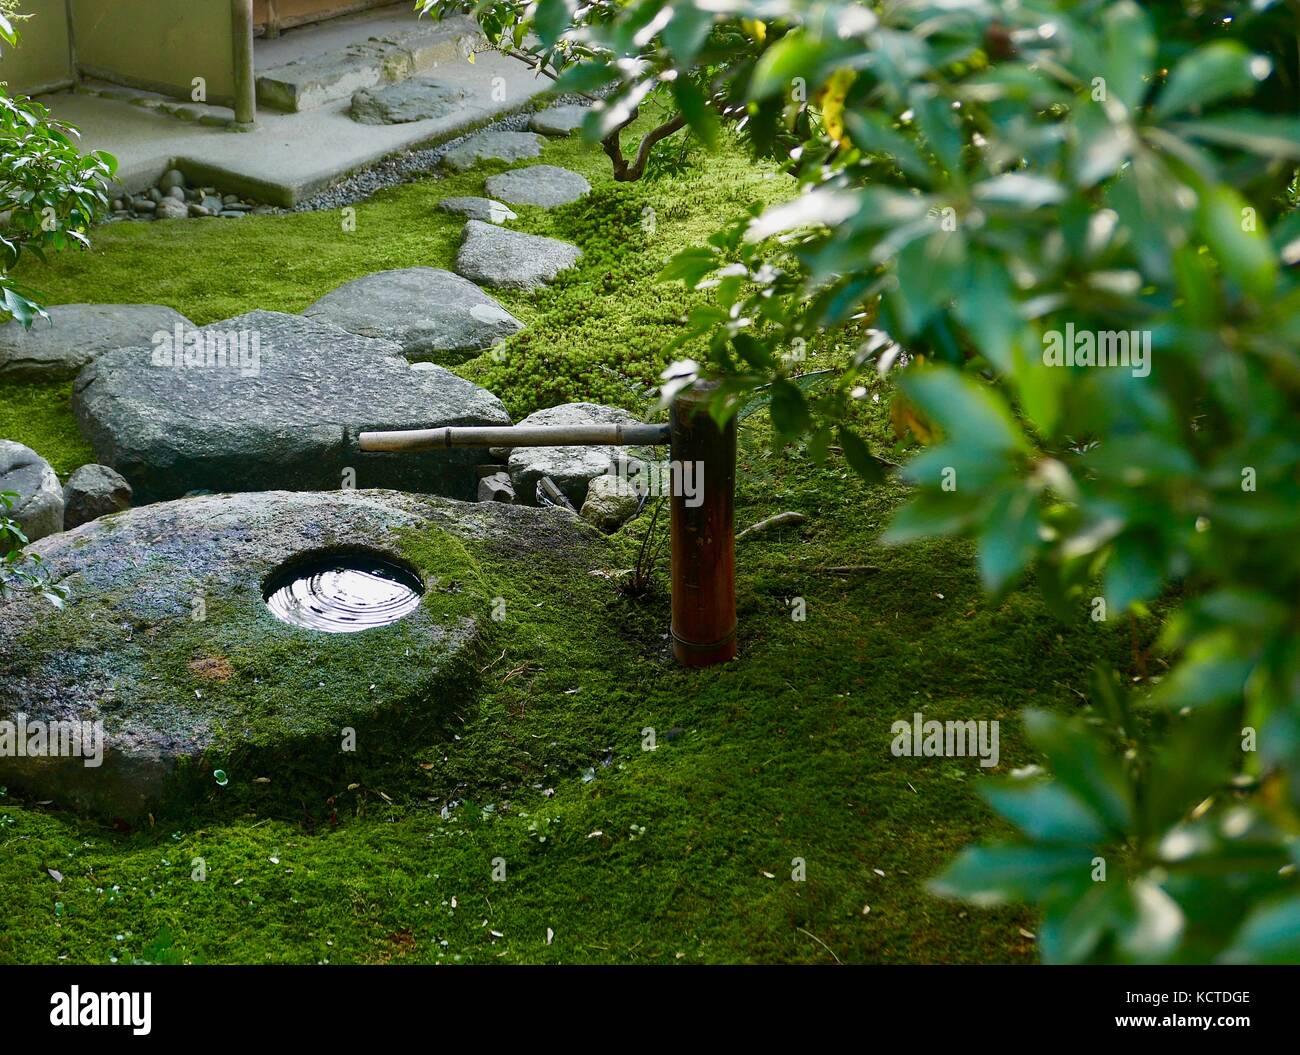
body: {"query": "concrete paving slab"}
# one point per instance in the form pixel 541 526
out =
pixel 285 157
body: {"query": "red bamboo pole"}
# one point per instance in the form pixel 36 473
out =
pixel 703 531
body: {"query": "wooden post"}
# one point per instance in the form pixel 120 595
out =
pixel 703 532
pixel 241 27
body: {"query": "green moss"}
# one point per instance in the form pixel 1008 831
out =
pixel 40 416
pixel 680 854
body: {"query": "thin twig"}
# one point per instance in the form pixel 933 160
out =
pixel 821 943
pixel 780 520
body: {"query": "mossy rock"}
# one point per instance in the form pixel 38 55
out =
pixel 166 639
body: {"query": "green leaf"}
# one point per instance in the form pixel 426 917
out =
pixel 586 77
pixel 795 55
pixel 700 116
pixel 929 514
pixel 1271 934
pixel 1009 538
pixel 1085 765
pixel 1236 238
pixel 552 19
pixel 1219 70
pixel 1133 573
pixel 938 123
pixel 1046 812
pixel 686 32
pixel 790 415
pixel 859 456
pixel 995 875
pixel 1264 134
pixel 1129 52
pixel 873 132
pixel 1021 189
pixel 968 411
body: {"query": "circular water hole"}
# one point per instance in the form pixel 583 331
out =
pixel 343 592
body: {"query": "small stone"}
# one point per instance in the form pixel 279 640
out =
pixel 496 488
pixel 176 193
pixel 38 509
pixel 197 210
pixel 484 209
pixel 611 502
pixel 171 209
pixel 143 204
pixel 558 120
pixel 91 492
pixel 232 214
pixel 238 206
pixel 212 203
pixel 172 178
pixel 154 194
pixel 118 205
pixel 229 199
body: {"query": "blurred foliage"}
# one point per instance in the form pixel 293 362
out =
pixel 50 193
pixel 981 177
pixel 22 572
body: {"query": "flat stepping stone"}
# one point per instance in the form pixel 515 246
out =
pixel 558 120
pixel 227 701
pixel 504 259
pixel 57 348
pixel 38 509
pixel 428 312
pixel 274 401
pixel 417 99
pixel 572 468
pixel 492 146
pixel 544 185
pixel 484 209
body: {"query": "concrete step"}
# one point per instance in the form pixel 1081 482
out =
pixel 317 80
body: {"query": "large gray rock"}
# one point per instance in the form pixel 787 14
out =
pixel 417 99
pixel 558 120
pixel 492 146
pixel 56 349
pixel 572 468
pixel 166 640
pixel 484 209
pixel 431 314
pixel 283 413
pixel 493 256
pixel 91 492
pixel 38 509
pixel 544 185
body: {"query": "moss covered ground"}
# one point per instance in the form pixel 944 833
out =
pixel 609 852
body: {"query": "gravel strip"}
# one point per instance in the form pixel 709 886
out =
pixel 410 165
